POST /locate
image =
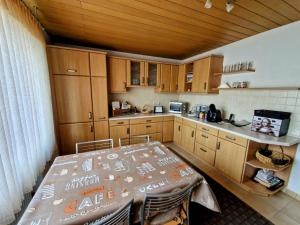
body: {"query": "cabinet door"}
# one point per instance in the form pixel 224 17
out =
pixel 188 138
pixel 73 99
pixel 177 133
pixel 201 73
pixel 205 154
pixel 165 78
pixel 181 78
pixel 117 75
pixel 99 94
pixel 98 64
pixel 152 73
pixel 135 73
pixel 70 134
pixel 69 62
pixel 230 159
pixel 101 130
pixel 117 132
pixel 168 131
pixel 174 78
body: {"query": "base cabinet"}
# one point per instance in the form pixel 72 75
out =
pixel 101 130
pixel 168 131
pixel 117 132
pixel 188 138
pixel 230 159
pixel 177 133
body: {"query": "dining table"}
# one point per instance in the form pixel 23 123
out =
pixel 83 188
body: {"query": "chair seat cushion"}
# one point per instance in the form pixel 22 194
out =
pixel 165 217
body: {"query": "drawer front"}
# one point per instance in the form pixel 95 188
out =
pixel 168 118
pixel 118 122
pixel 208 129
pixel 146 120
pixel 155 137
pixel 178 119
pixel 233 138
pixel 141 129
pixel 205 154
pixel 189 123
pixel 206 139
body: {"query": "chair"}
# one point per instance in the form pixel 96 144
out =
pixel 163 208
pixel 134 140
pixel 119 217
pixel 94 145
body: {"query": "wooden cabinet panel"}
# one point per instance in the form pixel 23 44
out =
pixel 73 99
pixel 174 78
pixel 201 73
pixel 208 129
pixel 206 139
pixel 69 62
pixel 146 120
pixel 135 73
pixel 177 132
pixel 181 78
pixel 165 78
pixel 205 154
pixel 117 132
pixel 98 64
pixel 152 73
pixel 168 118
pixel 168 131
pixel 99 95
pixel 70 134
pixel 230 159
pixel 188 138
pixel 117 75
pixel 143 129
pixel 189 123
pixel 155 137
pixel 118 122
pixel 233 138
pixel 101 130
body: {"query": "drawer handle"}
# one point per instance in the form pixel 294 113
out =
pixel 179 128
pixel 230 138
pixel 148 121
pixel 193 132
pixel 203 128
pixel 72 70
pixel 102 118
pixel 90 115
pixel 92 128
pixel 203 150
pixel 204 136
pixel 128 131
pixel 218 145
pixel 120 123
pixel 148 126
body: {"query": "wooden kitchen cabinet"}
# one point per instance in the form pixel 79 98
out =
pixel 168 131
pixel 117 132
pixel 177 132
pixel 99 96
pixel 117 75
pixel 144 129
pixel 188 134
pixel 135 73
pixel 204 153
pixel 181 78
pixel 230 159
pixel 165 78
pixel 69 62
pixel 73 99
pixel 98 64
pixel 101 130
pixel 206 139
pixel 174 78
pixel 152 73
pixel 70 134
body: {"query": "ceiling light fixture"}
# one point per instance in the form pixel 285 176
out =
pixel 208 4
pixel 229 5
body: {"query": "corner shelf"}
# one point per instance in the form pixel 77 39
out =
pixel 259 189
pixel 257 164
pixel 235 72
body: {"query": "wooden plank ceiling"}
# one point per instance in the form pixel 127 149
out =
pixel 167 28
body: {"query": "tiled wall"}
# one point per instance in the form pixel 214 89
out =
pixel 242 103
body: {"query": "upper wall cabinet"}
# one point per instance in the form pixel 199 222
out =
pixel 69 62
pixel 98 65
pixel 152 73
pixel 117 75
pixel 135 73
pixel 165 78
pixel 174 78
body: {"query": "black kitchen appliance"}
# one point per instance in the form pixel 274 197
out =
pixel 213 114
pixel 270 122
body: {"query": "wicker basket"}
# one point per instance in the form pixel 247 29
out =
pixel 268 160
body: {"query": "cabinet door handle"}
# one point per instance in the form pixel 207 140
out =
pixel 128 131
pixel 204 86
pixel 203 150
pixel 176 87
pixel 148 121
pixel 179 128
pixel 120 123
pixel 90 115
pixel 204 136
pixel 218 145
pixel 72 70
pixel 230 138
pixel 102 118
pixel 205 129
pixel 92 128
pixel 163 86
pixel 148 126
pixel 193 132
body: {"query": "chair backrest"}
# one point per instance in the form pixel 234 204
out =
pixel 94 145
pixel 134 140
pixel 119 217
pixel 155 204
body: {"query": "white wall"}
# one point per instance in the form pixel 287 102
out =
pixel 276 56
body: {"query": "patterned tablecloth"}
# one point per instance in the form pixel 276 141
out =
pixel 82 188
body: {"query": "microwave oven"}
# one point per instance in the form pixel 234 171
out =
pixel 178 107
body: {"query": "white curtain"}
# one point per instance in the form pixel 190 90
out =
pixel 27 138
